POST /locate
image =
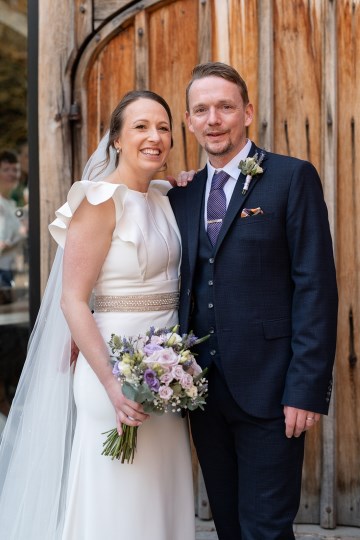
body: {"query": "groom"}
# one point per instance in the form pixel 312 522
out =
pixel 257 275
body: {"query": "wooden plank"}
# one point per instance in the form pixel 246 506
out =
pixel 244 50
pixel 111 10
pixel 298 85
pixel 92 121
pixel 329 175
pixel 221 38
pixel 55 48
pixel 204 53
pixel 205 32
pixel 104 10
pixel 297 132
pixel 348 264
pixel 141 51
pixel 83 15
pixel 265 73
pixel 172 56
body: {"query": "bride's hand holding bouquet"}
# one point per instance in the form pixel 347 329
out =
pixel 128 412
pixel 158 373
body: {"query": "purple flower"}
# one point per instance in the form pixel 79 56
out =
pixel 189 340
pixel 151 380
pixel 150 348
pixel 116 371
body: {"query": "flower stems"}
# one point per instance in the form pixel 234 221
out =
pixel 121 446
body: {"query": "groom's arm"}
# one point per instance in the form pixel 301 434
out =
pixel 314 304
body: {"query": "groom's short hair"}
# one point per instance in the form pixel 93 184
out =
pixel 218 69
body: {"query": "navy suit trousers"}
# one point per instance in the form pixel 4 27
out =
pixel 252 470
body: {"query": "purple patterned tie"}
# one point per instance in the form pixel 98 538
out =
pixel 216 205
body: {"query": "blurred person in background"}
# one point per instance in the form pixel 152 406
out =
pixel 12 230
pixel 20 193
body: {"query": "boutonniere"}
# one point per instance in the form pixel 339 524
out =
pixel 251 167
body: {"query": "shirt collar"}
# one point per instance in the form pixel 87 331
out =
pixel 232 168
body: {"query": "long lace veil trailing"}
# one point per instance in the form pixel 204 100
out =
pixel 36 442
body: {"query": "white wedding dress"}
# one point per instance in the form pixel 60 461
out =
pixel 152 498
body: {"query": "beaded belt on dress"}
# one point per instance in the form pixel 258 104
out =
pixel 138 302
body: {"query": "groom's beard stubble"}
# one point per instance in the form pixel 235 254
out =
pixel 227 148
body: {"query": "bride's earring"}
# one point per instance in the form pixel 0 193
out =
pixel 118 151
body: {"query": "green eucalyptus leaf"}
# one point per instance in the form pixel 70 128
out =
pixel 144 394
pixel 116 341
pixel 130 391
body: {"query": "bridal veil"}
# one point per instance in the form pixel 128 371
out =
pixel 36 442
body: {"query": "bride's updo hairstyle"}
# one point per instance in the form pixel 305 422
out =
pixel 117 117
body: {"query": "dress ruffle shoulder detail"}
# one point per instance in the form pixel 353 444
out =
pixel 95 193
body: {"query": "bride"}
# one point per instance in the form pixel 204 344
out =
pixel 118 242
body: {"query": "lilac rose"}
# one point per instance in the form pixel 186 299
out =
pixel 186 381
pixel 165 392
pixel 150 348
pixel 167 378
pixel 178 372
pixel 165 357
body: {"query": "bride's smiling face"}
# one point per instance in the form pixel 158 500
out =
pixel 145 138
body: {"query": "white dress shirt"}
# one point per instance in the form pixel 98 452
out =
pixel 231 168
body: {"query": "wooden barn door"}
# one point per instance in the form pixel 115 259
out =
pixel 301 61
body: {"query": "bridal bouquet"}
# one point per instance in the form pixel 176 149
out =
pixel 159 371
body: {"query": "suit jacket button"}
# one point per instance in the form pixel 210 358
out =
pixel 213 352
pixel 210 305
pixel 188 292
pixel 211 260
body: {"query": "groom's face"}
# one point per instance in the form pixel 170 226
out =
pixel 218 118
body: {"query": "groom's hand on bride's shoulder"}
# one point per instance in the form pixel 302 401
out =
pixel 183 178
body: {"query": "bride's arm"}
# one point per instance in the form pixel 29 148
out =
pixel 87 244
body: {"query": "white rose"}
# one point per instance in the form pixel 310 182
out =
pixel 173 339
pixel 192 392
pixel 126 370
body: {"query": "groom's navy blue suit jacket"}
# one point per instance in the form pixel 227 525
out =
pixel 274 286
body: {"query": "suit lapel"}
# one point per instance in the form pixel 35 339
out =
pixel 237 201
pixel 195 193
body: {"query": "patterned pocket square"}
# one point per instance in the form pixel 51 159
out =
pixel 246 212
